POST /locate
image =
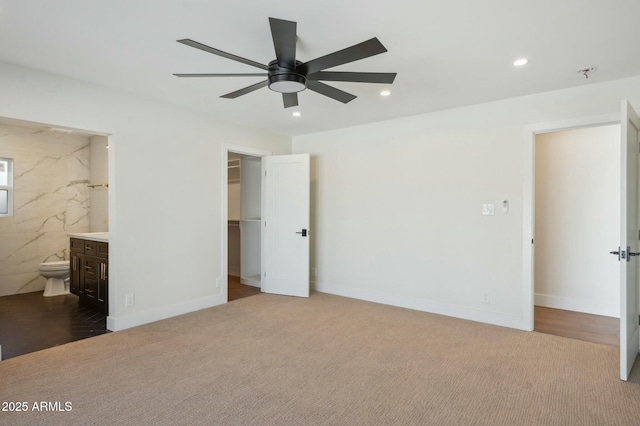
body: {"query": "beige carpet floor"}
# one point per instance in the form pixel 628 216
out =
pixel 326 360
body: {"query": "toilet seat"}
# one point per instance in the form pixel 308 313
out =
pixel 59 265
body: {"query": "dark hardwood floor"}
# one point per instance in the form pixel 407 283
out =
pixel 577 325
pixel 238 290
pixel 30 322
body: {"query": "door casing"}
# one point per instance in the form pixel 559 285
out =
pixel 528 201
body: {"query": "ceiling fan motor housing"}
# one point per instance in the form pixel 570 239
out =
pixel 284 80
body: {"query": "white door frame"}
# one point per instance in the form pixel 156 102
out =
pixel 528 204
pixel 224 190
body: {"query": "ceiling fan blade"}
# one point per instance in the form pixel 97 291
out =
pixel 206 48
pixel 355 77
pixel 290 99
pixel 246 90
pixel 284 42
pixel 263 74
pixel 332 92
pixel 359 51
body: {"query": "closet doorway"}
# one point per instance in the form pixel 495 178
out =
pixel 274 258
pixel 577 223
pixel 243 231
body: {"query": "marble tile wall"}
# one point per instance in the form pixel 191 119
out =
pixel 51 198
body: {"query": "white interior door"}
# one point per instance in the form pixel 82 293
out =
pixel 285 253
pixel 629 333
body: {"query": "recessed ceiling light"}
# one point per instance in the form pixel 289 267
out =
pixel 520 62
pixel 385 93
pixel 296 114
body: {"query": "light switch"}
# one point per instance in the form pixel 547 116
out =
pixel 505 206
pixel 488 210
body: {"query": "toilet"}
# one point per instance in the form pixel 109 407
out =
pixel 57 275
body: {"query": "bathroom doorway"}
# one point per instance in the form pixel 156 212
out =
pixel 60 186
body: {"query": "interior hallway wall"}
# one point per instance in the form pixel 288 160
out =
pixel 577 220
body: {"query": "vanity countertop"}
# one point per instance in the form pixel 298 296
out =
pixel 92 236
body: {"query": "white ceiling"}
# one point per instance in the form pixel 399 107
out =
pixel 446 53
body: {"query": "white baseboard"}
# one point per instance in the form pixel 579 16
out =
pixel 456 311
pixel 485 316
pixel 135 319
pixel 576 305
pixel 251 281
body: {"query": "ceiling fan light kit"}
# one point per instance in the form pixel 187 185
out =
pixel 282 80
pixel 288 76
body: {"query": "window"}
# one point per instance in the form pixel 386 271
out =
pixel 6 187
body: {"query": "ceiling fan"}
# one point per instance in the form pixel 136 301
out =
pixel 289 76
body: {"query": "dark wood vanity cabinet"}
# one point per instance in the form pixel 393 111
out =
pixel 76 285
pixel 90 273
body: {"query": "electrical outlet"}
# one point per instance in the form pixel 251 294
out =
pixel 218 282
pixel 486 297
pixel 129 300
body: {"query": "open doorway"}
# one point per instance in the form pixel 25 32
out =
pixel 57 185
pixel 577 222
pixel 243 236
pixel 241 218
pixel 274 214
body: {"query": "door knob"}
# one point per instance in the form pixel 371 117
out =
pixel 303 232
pixel 625 254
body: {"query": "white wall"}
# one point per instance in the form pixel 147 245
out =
pixel 577 220
pixel 398 203
pixel 233 207
pixel 99 212
pixel 164 187
pixel 233 236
